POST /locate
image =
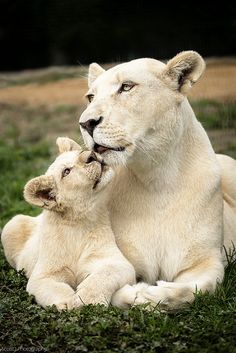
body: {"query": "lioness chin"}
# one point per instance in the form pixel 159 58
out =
pixel 167 207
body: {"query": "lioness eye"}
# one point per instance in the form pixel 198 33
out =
pixel 126 86
pixel 66 172
pixel 90 97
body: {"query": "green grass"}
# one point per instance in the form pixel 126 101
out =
pixel 208 325
pixel 28 125
pixel 19 164
pixel 215 115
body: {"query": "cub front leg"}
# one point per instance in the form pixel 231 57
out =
pixel 48 291
pixel 98 287
pixel 93 290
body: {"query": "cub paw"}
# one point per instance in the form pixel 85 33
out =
pixel 77 302
pixel 66 304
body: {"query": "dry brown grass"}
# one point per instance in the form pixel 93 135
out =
pixel 218 83
pixel 66 92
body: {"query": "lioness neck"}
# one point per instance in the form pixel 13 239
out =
pixel 172 151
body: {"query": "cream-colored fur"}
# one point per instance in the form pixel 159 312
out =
pixel 69 251
pixel 166 205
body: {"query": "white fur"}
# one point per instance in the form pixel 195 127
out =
pixel 69 251
pixel 167 207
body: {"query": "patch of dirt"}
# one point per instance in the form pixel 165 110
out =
pixel 64 92
pixel 217 83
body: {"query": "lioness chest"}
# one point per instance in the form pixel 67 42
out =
pixel 144 232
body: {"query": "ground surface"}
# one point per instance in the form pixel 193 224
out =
pixel 35 108
pixel 217 83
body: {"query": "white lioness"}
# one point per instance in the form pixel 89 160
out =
pixel 69 251
pixel 167 206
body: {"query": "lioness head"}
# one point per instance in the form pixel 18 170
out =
pixel 131 102
pixel 73 182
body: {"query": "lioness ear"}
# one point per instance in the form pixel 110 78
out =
pixel 95 70
pixel 41 191
pixel 65 144
pixel 184 70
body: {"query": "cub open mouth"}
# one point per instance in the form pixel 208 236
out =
pixel 101 149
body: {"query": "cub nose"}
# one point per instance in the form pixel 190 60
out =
pixel 87 157
pixel 91 158
pixel 90 125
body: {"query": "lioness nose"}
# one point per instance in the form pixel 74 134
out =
pixel 90 125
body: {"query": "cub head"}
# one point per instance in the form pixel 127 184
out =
pixel 131 103
pixel 74 182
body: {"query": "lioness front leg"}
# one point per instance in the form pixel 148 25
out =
pixel 98 287
pixel 174 295
pixel 49 291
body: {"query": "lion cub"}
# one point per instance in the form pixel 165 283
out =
pixel 68 251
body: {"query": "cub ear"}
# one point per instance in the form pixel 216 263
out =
pixel 65 144
pixel 41 191
pixel 95 70
pixel 184 70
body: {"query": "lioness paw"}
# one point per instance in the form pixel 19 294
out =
pixel 167 295
pixel 127 295
pixel 152 295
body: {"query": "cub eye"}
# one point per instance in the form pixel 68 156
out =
pixel 126 86
pixel 90 97
pixel 66 172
